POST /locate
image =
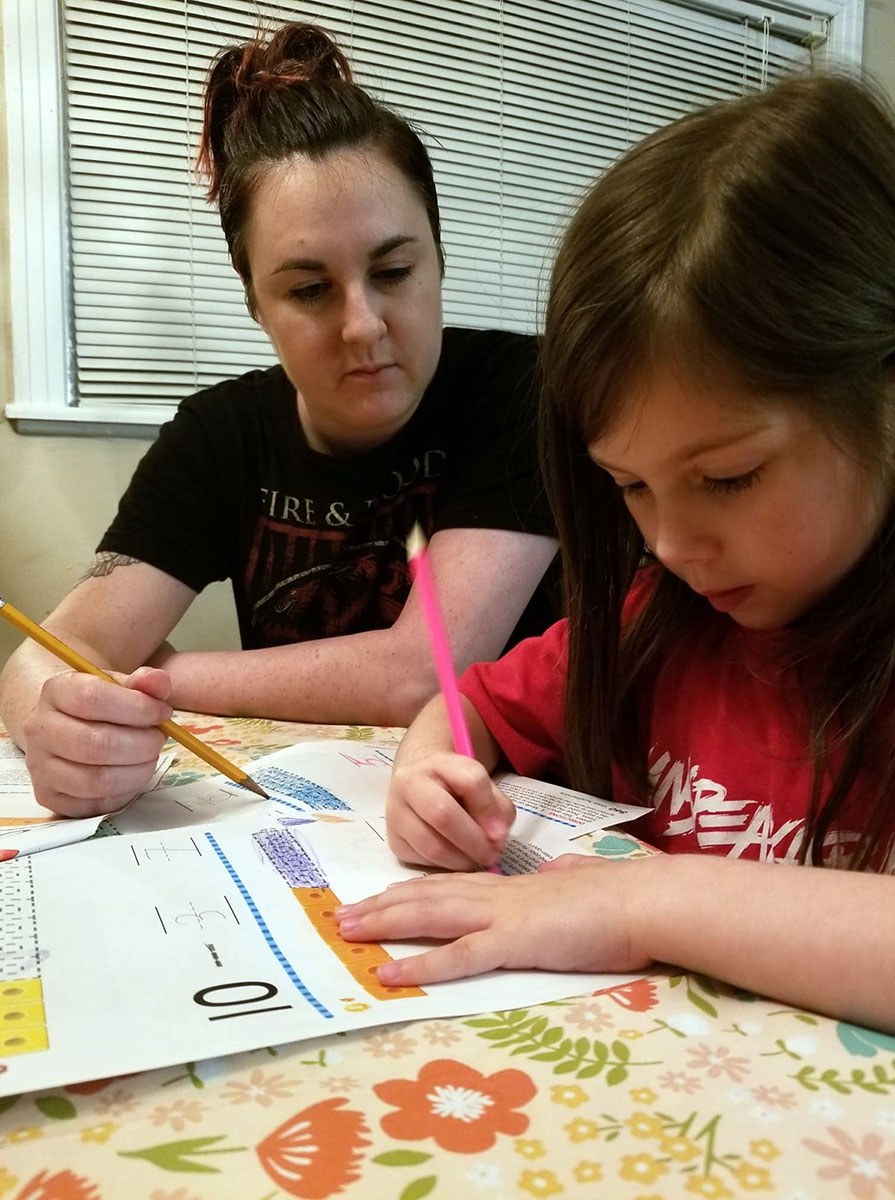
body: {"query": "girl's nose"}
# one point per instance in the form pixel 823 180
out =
pixel 362 319
pixel 678 542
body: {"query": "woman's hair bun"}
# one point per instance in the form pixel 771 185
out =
pixel 242 77
pixel 295 53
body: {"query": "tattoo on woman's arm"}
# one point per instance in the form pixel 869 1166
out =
pixel 105 563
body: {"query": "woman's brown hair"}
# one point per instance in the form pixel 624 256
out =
pixel 755 238
pixel 292 93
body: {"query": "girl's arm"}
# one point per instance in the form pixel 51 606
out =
pixel 810 937
pixel 814 937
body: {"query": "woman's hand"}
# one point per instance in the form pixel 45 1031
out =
pixel 91 745
pixel 443 810
pixel 582 914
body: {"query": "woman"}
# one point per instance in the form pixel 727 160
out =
pixel 300 483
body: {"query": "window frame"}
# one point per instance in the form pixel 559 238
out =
pixel 39 301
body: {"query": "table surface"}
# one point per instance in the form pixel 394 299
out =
pixel 674 1086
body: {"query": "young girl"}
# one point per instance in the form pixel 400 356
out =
pixel 719 438
pixel 301 482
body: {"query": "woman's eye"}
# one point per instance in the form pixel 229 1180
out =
pixel 309 292
pixel 631 491
pixel 733 483
pixel 390 275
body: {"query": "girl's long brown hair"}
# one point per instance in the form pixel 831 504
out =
pixel 753 239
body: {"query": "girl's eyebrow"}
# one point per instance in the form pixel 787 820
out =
pixel 317 264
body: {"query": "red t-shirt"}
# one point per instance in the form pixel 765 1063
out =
pixel 728 739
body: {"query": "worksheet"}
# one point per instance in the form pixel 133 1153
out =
pixel 202 924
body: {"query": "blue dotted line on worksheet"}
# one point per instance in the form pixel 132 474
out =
pixel 268 936
pixel 300 808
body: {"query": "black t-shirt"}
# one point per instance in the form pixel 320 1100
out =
pixel 315 543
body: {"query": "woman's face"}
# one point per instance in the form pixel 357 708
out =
pixel 753 506
pixel 346 283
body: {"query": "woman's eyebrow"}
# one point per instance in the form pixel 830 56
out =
pixel 392 243
pixel 317 264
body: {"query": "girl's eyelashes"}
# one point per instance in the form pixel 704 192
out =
pixel 733 483
pixel 728 485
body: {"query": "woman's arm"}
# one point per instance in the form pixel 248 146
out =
pixel 808 936
pixel 89 744
pixel 485 578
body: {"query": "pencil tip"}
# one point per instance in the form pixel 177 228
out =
pixel 250 783
pixel 416 541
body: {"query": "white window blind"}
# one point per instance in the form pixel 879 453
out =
pixel 522 103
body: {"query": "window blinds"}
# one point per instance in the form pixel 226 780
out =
pixel 522 104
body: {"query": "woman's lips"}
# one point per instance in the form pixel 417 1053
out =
pixel 373 372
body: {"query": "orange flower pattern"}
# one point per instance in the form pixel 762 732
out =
pixel 315 1153
pixel 456 1105
pixel 639 996
pixel 64 1185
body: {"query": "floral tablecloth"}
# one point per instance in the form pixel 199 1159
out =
pixel 670 1087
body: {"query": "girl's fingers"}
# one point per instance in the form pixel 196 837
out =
pixel 470 955
pixel 436 810
pixel 416 842
pixel 416 891
pixel 406 919
pixel 490 809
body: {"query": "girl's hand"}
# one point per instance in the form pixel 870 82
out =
pixel 91 745
pixel 581 915
pixel 443 810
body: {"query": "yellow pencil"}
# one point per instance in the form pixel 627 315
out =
pixel 38 634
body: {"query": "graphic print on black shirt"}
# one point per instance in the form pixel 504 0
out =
pixel 310 582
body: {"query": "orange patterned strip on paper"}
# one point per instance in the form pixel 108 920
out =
pixel 361 960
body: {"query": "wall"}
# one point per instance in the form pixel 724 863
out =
pixel 879 42
pixel 57 493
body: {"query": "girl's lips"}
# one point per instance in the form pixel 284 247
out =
pixel 729 600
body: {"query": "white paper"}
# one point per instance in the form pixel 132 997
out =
pixel 144 949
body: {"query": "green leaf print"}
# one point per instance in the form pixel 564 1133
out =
pixel 882 1082
pixel 172 1156
pixel 419 1188
pixel 401 1158
pixel 56 1107
pixel 534 1037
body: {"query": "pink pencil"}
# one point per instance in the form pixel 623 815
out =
pixel 417 560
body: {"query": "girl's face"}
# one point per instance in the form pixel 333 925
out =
pixel 753 506
pixel 347 286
